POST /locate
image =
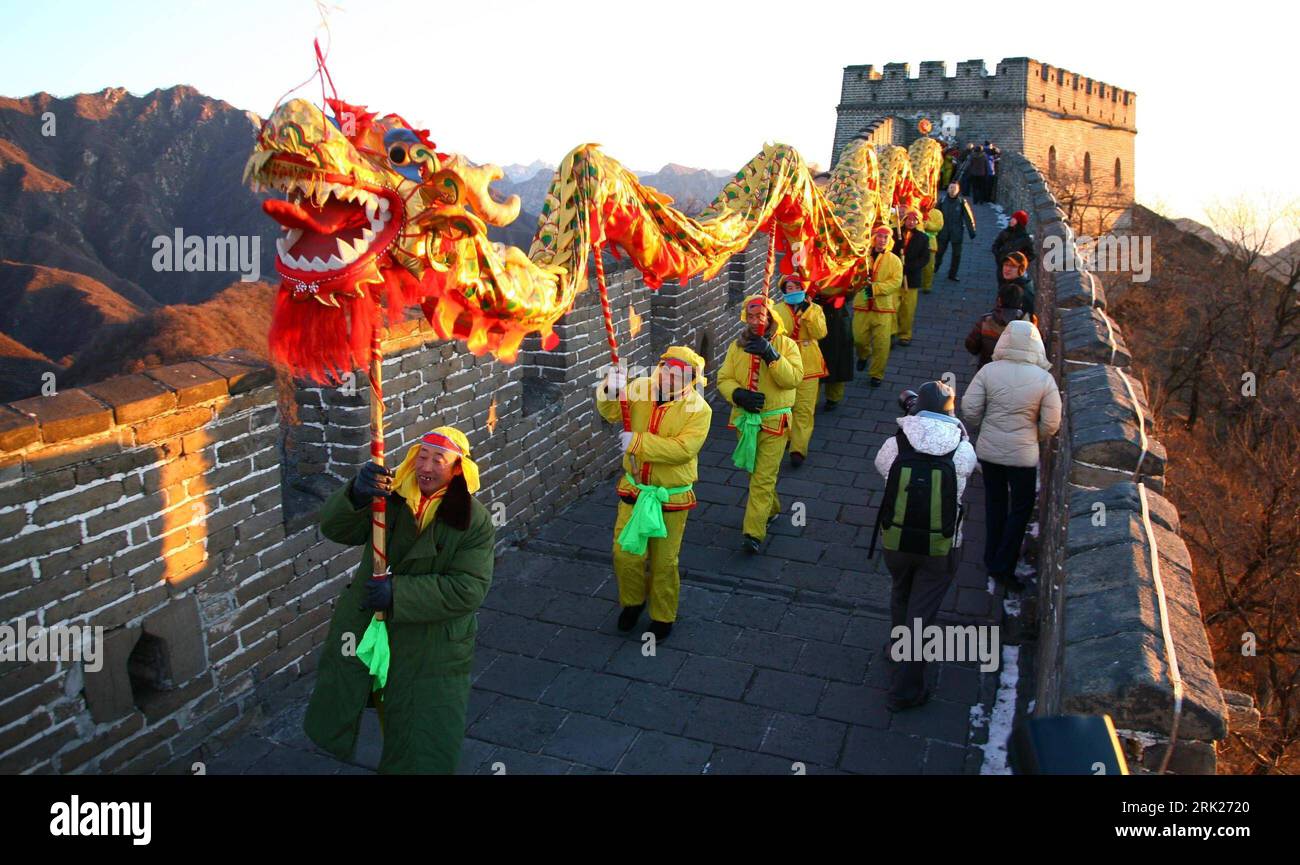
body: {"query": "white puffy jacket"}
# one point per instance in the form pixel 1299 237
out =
pixel 930 435
pixel 1013 399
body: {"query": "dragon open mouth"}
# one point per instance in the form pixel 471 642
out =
pixel 333 225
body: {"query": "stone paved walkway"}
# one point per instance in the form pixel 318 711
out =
pixel 775 665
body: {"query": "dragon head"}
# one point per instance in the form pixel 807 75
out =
pixel 374 216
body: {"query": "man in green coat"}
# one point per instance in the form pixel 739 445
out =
pixel 440 558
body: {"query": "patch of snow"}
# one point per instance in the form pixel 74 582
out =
pixel 978 717
pixel 1004 715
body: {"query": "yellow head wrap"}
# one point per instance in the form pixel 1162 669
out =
pixel 684 354
pixel 450 439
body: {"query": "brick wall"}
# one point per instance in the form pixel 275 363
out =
pixel 1101 647
pixel 176 510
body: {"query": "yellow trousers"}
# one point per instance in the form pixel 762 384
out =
pixel 661 581
pixel 834 390
pixel 763 502
pixel 871 331
pixel 907 314
pixel 801 415
pixel 927 275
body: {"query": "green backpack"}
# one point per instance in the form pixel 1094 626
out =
pixel 919 512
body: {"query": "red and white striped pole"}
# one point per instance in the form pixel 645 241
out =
pixel 379 504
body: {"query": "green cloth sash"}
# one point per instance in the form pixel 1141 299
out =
pixel 749 423
pixel 647 520
pixel 373 652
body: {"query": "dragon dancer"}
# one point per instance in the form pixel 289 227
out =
pixel 440 554
pixel 874 312
pixel 805 322
pixel 760 376
pixel 669 425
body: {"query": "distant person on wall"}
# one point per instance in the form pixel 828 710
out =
pixel 976 172
pixel 957 220
pixel 994 157
pixel 912 246
pixel 1014 238
pixel 670 422
pixel 440 557
pixel 963 172
pixel 805 322
pixel 1015 403
pixel 983 337
pixel 760 376
pixel 933 225
pixel 875 311
pixel 925 466
pixel 1014 270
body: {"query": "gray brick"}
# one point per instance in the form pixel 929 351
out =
pixel 518 724
pixel 518 676
pixel 591 741
pixel 726 722
pixel 785 691
pixel 876 752
pixel 661 667
pixel 750 611
pixel 805 739
pixel 814 624
pixel 714 676
pixel 583 648
pixel 730 761
pixel 830 661
pixel 585 691
pixel 767 650
pixel 654 707
pixel 660 754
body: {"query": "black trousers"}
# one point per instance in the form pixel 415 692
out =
pixel 920 583
pixel 1009 497
pixel 956 255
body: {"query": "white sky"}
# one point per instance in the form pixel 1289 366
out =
pixel 701 84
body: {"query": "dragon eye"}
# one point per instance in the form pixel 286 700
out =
pixel 397 154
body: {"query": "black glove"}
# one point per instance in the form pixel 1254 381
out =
pixel 373 480
pixel 760 346
pixel 749 400
pixel 379 594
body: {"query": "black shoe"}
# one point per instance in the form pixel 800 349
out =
pixel 751 545
pixel 796 460
pixel 904 343
pixel 830 405
pixel 862 364
pixel 952 278
pixel 661 630
pixel 877 382
pixel 894 704
pixel 628 618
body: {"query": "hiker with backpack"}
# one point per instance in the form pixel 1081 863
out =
pixel 1016 404
pixel 925 466
pixel 983 337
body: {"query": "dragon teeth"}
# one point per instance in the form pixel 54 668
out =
pixel 347 252
pixel 292 237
